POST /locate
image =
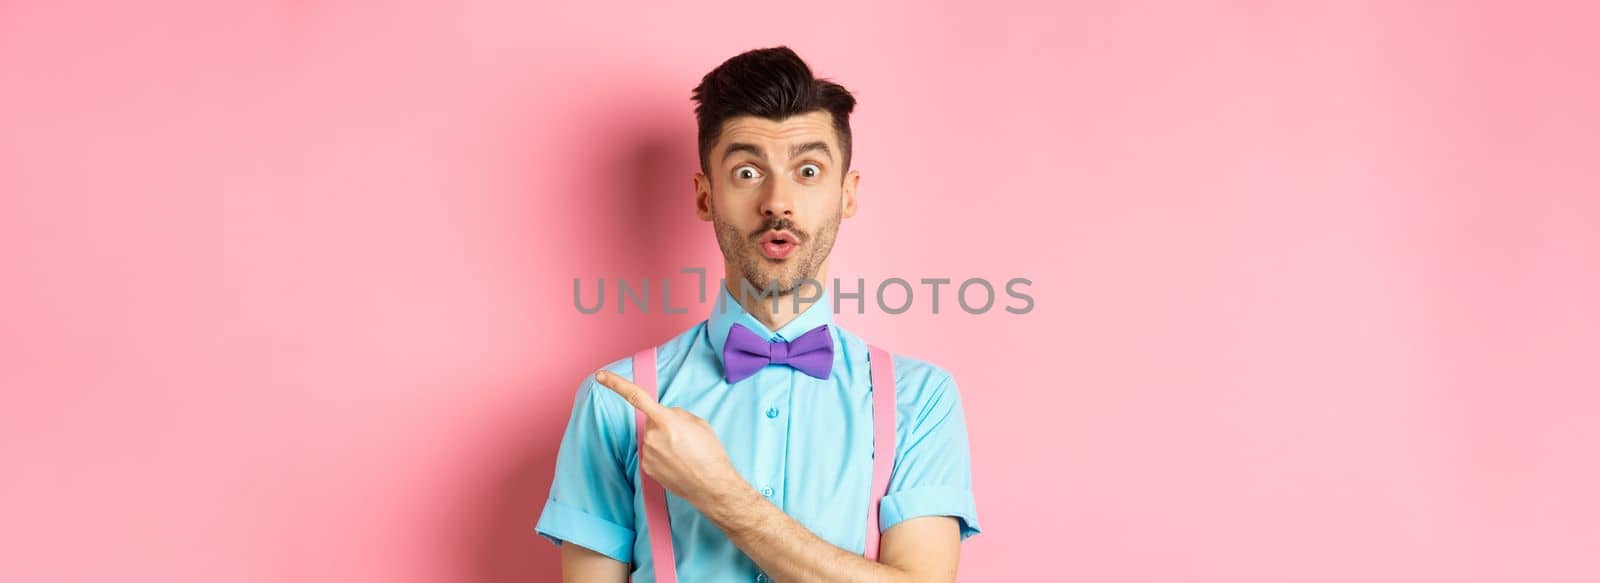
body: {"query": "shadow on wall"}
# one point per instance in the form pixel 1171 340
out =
pixel 630 198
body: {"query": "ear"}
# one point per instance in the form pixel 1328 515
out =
pixel 851 181
pixel 702 196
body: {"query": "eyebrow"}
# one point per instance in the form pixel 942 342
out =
pixel 793 152
pixel 803 148
pixel 742 147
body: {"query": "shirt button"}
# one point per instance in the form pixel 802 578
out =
pixel 767 491
pixel 761 578
pixel 771 413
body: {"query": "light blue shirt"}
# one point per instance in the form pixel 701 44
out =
pixel 804 443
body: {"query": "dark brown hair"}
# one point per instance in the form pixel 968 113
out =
pixel 771 83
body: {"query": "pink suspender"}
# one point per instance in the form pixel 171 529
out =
pixel 883 420
pixel 655 497
pixel 882 366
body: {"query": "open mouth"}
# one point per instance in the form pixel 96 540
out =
pixel 778 244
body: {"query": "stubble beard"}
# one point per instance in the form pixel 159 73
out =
pixel 792 271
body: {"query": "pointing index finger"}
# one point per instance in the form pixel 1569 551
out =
pixel 631 393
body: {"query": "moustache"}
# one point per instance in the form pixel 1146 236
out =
pixel 779 225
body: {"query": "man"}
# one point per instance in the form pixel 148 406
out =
pixel 767 466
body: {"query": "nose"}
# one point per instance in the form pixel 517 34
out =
pixel 778 200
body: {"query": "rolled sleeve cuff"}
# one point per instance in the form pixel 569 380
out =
pixel 560 522
pixel 930 501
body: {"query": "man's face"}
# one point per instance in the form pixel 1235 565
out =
pixel 776 194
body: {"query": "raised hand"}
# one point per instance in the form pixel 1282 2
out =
pixel 679 449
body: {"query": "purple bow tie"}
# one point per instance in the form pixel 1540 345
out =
pixel 745 353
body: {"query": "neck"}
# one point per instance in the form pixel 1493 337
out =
pixel 761 307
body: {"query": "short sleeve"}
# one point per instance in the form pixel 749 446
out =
pixel 933 466
pixel 591 496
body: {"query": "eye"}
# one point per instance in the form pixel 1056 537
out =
pixel 810 170
pixel 746 172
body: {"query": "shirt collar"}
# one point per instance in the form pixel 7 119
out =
pixel 728 312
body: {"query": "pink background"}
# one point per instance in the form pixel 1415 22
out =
pixel 285 288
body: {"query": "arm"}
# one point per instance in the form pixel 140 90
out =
pixel 590 510
pixel 682 452
pixel 921 549
pixel 581 565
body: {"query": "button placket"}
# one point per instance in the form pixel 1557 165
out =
pixel 779 451
pixel 771 437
